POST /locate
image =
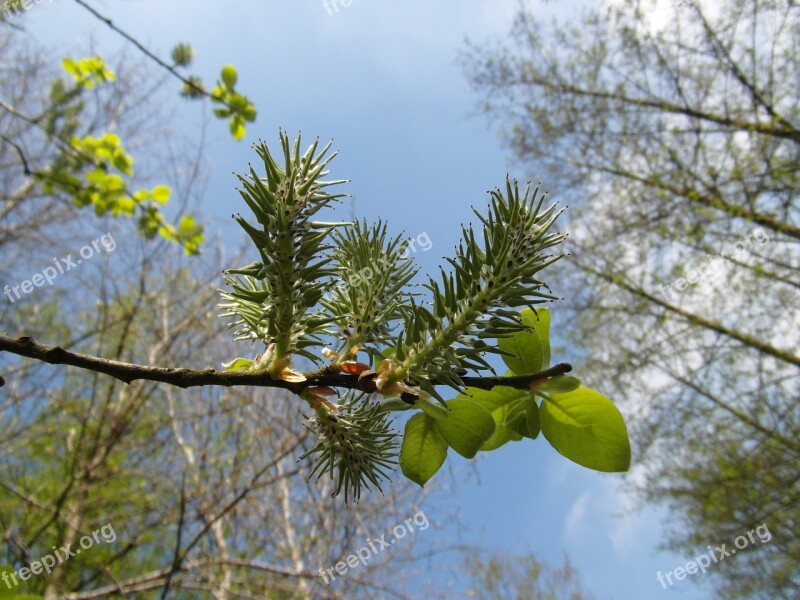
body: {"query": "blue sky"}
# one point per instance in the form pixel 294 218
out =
pixel 380 78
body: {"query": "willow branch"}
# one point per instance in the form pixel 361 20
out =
pixel 186 378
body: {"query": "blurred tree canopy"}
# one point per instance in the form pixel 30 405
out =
pixel 673 128
pixel 509 577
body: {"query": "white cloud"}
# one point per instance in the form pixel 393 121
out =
pixel 573 525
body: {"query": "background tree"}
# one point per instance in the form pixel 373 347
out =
pixel 202 488
pixel 674 129
pixel 61 154
pixel 504 577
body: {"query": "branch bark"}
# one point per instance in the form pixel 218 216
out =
pixel 186 378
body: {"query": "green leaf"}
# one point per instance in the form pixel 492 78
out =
pixel 498 402
pixel 531 349
pixel 237 127
pixel 502 434
pixel 588 429
pixel 70 67
pixel 561 384
pixel 218 94
pixel 523 418
pixel 431 408
pixel 125 206
pixel 238 364
pixel 423 450
pixel 249 113
pixel 88 71
pixel 467 427
pixel 188 234
pixel 494 398
pixel 230 76
pixel 188 227
pixel 541 325
pixel 161 194
pixel 114 184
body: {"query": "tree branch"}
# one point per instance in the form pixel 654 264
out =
pixel 783 132
pixel 620 281
pixel 164 65
pixel 724 56
pixel 710 200
pixel 186 378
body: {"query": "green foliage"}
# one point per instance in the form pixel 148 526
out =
pixel 588 429
pixel 188 233
pixel 348 281
pixel 562 384
pixel 499 402
pixel 88 71
pixel 528 351
pixel 235 106
pixel 230 104
pixel 423 451
pixel 96 171
pixel 467 426
pixel 434 410
pixel 581 424
pixel 523 418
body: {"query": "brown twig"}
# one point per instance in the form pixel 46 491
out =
pixel 186 378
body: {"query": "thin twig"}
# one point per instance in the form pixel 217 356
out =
pixel 25 168
pixel 171 68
